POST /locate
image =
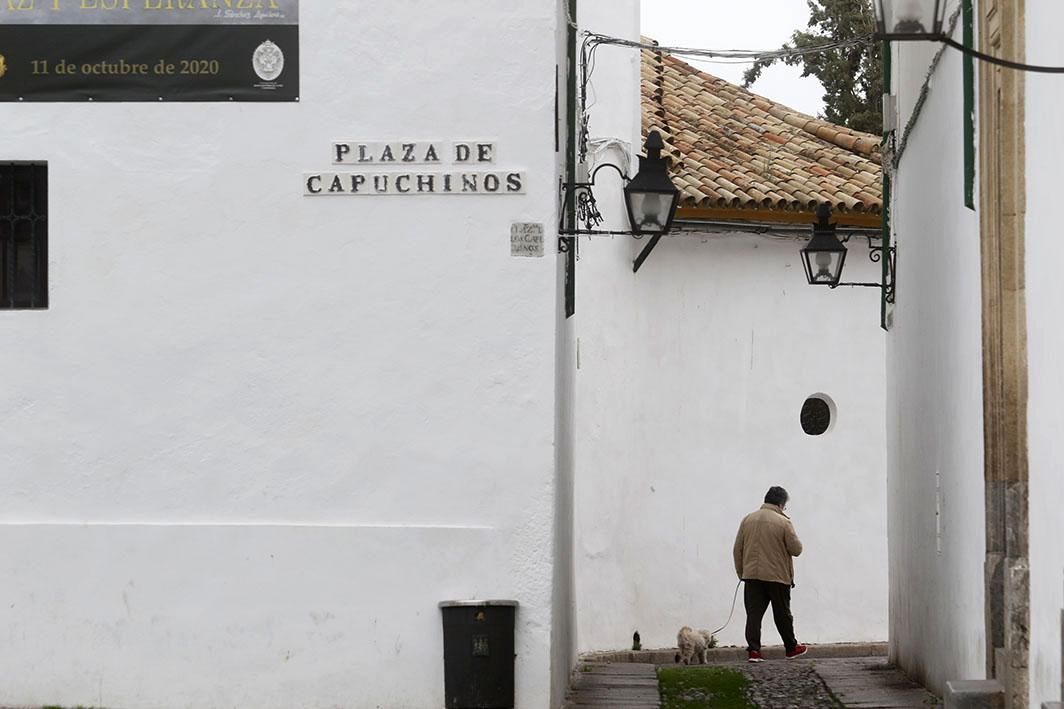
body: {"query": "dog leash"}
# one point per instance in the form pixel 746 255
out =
pixel 732 612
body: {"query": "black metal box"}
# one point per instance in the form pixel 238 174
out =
pixel 478 654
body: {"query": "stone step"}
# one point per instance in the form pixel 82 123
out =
pixel 871 682
pixel 666 656
pixel 598 685
pixel 975 694
pixel 613 667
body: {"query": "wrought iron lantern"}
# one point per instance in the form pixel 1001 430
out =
pixel 824 255
pixel 650 196
pixel 909 20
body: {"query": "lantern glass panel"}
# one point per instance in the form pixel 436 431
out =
pixel 913 17
pixel 650 211
pixel 823 267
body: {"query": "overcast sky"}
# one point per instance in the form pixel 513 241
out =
pixel 738 24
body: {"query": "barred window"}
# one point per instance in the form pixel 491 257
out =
pixel 23 235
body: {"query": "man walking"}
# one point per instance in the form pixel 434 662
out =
pixel 764 551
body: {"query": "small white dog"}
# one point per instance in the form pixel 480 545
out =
pixel 693 644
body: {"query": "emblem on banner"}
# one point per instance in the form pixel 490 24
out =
pixel 268 61
pixel 3 65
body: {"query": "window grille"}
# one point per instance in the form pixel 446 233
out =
pixel 23 235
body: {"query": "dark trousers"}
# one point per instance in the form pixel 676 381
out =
pixel 757 595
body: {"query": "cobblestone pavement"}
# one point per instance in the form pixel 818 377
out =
pixel 787 684
pixel 832 684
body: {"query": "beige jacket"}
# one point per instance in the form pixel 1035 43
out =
pixel 765 546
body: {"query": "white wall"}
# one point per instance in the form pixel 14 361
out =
pixel 257 437
pixel 935 370
pixel 1045 342
pixel 934 392
pixel 690 379
pixel 692 374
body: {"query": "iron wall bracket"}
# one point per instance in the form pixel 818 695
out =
pixel 875 255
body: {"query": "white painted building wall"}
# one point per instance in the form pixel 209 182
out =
pixel 1045 343
pixel 934 367
pixel 692 374
pixel 934 391
pixel 257 437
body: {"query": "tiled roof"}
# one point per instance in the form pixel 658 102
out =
pixel 732 149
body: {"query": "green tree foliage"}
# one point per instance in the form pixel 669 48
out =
pixel 852 76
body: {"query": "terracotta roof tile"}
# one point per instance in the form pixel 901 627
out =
pixel 732 148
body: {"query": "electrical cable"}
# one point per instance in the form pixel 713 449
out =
pixel 991 59
pixel 741 55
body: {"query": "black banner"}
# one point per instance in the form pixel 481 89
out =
pixel 210 54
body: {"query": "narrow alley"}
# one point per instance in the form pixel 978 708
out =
pixel 824 683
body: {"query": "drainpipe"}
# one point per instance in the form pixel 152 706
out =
pixel 570 157
pixel 885 261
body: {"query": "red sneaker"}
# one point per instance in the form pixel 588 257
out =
pixel 754 656
pixel 798 650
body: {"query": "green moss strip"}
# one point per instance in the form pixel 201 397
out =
pixel 703 688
